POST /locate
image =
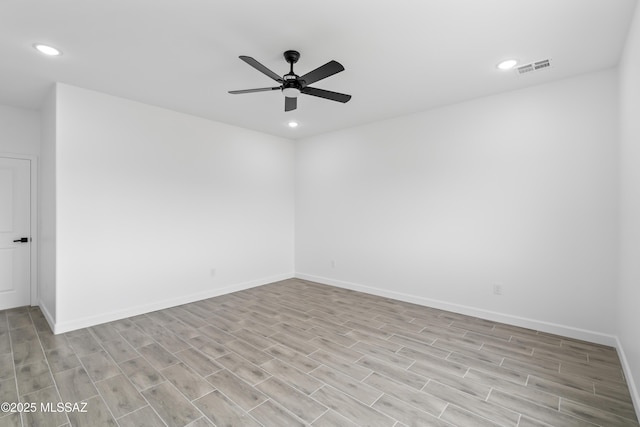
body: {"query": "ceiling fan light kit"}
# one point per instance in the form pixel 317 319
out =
pixel 292 85
pixel 291 92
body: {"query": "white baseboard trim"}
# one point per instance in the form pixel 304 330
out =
pixel 538 325
pixel 85 322
pixel 633 389
pixel 47 315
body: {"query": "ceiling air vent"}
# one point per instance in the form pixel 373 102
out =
pixel 534 66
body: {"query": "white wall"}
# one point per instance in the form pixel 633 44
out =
pixel 47 207
pixel 629 297
pixel 518 189
pixel 19 131
pixel 149 201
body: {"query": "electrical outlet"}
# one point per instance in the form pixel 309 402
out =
pixel 497 289
pixel 333 263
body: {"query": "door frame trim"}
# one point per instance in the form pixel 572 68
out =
pixel 34 213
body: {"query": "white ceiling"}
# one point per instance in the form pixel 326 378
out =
pixel 400 56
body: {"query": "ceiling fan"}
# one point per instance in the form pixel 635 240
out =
pixel 293 85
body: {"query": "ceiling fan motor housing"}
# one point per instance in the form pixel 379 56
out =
pixel 292 85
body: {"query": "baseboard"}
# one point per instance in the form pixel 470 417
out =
pixel 47 315
pixel 538 325
pixel 633 389
pixel 72 325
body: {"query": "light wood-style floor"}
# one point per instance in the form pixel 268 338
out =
pixel 299 353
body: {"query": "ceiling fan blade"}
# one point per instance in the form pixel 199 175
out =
pixel 328 69
pixel 263 89
pixel 326 94
pixel 290 104
pixel 258 66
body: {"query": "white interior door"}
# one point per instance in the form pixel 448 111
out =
pixel 15 228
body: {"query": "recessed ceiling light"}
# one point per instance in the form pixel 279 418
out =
pixel 47 50
pixel 508 64
pixel 293 124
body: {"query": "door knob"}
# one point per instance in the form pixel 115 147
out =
pixel 22 240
